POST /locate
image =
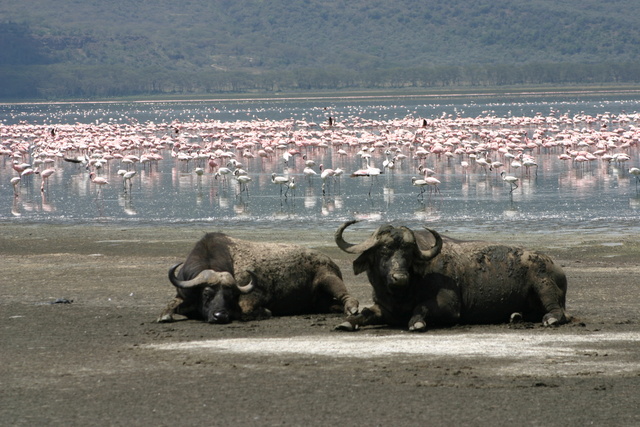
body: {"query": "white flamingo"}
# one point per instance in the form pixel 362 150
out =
pixel 324 175
pixel 421 184
pixel 512 180
pixel 15 181
pixel 126 177
pixel 45 174
pixel 635 172
pixel 282 181
pixel 243 180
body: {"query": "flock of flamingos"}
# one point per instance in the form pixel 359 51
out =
pixel 297 153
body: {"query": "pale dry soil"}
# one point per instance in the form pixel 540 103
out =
pixel 103 360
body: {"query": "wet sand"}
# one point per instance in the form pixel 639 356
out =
pixel 103 360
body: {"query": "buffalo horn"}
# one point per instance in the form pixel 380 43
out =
pixel 208 277
pixel 435 250
pixel 245 289
pixel 351 247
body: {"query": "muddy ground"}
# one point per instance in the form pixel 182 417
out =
pixel 103 360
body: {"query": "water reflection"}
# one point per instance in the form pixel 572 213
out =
pixel 187 179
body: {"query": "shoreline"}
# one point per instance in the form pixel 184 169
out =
pixel 448 93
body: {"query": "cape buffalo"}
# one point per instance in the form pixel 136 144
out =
pixel 225 279
pixel 418 279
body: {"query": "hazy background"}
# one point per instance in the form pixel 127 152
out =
pixel 97 48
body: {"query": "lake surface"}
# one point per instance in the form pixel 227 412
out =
pixel 557 196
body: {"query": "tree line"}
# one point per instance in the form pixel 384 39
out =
pixel 59 81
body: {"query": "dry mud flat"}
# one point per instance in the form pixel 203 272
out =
pixel 102 360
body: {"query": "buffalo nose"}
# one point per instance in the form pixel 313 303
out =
pixel 400 278
pixel 220 317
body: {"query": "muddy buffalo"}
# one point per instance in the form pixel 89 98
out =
pixel 225 279
pixel 418 280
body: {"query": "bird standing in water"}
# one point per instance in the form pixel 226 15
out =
pixel 512 180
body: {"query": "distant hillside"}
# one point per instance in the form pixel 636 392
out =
pixel 97 48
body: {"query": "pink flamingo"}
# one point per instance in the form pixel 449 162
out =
pixel 98 180
pixel 434 182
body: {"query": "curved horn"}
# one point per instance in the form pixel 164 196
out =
pixel 245 289
pixel 435 250
pixel 350 247
pixel 208 277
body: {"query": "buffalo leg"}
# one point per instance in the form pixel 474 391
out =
pixel 252 305
pixel 552 298
pixel 175 306
pixel 368 316
pixel 333 286
pixel 443 308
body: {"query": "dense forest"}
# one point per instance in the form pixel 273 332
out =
pixel 95 48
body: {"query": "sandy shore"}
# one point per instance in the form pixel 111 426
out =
pixel 102 360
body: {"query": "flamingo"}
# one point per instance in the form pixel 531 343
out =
pixel 288 155
pixel 337 173
pixel 635 172
pixel 426 171
pixel 293 185
pixel 528 162
pixel 484 163
pixel 127 177
pixel 512 180
pixel 282 181
pixel 212 164
pixel 20 167
pixel 389 163
pixel 433 182
pixel 421 184
pixel 324 175
pixel 496 165
pixel 223 172
pixel 309 172
pixel 367 171
pixel 15 181
pixel 243 180
pixel 309 163
pixel 98 180
pixel 45 174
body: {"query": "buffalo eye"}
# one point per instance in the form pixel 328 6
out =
pixel 386 252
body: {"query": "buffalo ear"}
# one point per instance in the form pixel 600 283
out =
pixel 361 264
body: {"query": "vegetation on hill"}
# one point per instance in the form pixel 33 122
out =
pixel 97 48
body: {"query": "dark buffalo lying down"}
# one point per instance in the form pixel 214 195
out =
pixel 418 279
pixel 225 279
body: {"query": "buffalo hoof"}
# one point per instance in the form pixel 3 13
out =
pixel 165 318
pixel 346 326
pixel 351 307
pixel 516 318
pixel 419 326
pixel 550 320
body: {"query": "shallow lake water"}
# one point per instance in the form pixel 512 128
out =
pixel 557 196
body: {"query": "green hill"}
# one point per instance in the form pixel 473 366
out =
pixel 98 48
